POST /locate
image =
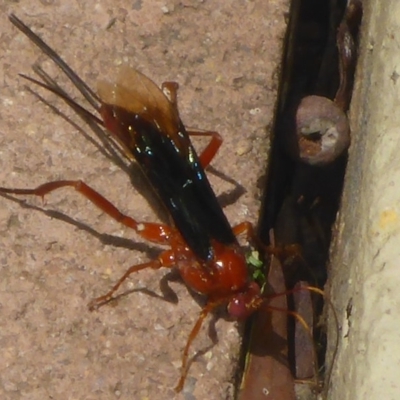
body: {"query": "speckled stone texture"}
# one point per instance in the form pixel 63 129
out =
pixel 225 56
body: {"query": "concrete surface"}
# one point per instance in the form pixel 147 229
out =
pixel 225 55
pixel 365 272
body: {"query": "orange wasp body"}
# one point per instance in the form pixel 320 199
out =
pixel 145 126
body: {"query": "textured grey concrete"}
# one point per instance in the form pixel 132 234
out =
pixel 366 264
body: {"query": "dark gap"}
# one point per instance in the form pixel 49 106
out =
pixel 301 199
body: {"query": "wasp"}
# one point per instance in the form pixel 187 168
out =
pixel 143 124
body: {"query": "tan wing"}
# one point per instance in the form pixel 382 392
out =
pixel 137 93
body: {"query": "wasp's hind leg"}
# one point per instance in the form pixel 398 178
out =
pixel 156 233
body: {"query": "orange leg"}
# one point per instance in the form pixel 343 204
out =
pixel 247 229
pixel 195 330
pixel 210 151
pixel 165 260
pixel 170 90
pixel 153 232
pixel 290 250
pixel 156 233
